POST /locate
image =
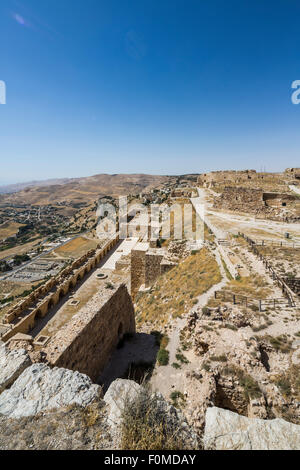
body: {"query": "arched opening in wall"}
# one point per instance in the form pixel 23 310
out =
pixel 284 204
pixel 50 304
pixel 61 295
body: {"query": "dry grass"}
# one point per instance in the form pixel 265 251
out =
pixel 146 425
pixel 247 382
pixel 280 343
pixel 285 260
pixel 253 286
pixel 20 249
pixel 76 248
pixel 8 229
pixel 288 383
pixel 177 291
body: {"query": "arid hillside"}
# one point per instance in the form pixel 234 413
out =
pixel 86 189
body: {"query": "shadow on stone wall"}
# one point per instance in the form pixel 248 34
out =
pixel 130 359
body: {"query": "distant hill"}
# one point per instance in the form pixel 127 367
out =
pixel 79 190
pixel 14 188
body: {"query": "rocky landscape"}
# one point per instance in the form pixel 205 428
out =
pixel 51 409
pixel 204 353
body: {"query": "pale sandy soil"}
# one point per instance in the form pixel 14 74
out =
pixel 166 378
pixel 256 228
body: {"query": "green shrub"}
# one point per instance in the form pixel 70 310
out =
pixel 176 365
pixel 177 398
pixel 182 358
pixel 221 358
pixel 248 383
pixel 230 327
pixel 163 357
pixel 206 366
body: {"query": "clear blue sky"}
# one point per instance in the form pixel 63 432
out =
pixel 153 86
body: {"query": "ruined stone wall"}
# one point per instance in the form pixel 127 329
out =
pixel 293 173
pixel 182 192
pixel 42 300
pixel 240 199
pixel 225 177
pixel 152 267
pixel 138 266
pixel 268 182
pixel 277 206
pixel 87 341
pixel 278 199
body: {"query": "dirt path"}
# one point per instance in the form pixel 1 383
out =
pixel 198 203
pixel 167 379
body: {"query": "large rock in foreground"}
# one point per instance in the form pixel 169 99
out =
pixel 136 401
pixel 225 430
pixel 119 393
pixel 12 364
pixel 40 388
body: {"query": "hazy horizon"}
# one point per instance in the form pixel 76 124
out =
pixel 4 182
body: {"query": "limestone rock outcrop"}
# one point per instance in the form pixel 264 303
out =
pixel 12 364
pixel 225 430
pixel 121 392
pixel 40 388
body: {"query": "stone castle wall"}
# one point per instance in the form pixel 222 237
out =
pixel 240 199
pixel 224 177
pixel 87 341
pixel 152 267
pixel 138 266
pixel 278 199
pixel 42 300
pixel 146 266
pixel 293 173
pixel 254 201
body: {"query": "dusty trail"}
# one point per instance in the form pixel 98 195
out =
pixel 166 378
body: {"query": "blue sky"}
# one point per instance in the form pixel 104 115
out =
pixel 152 86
